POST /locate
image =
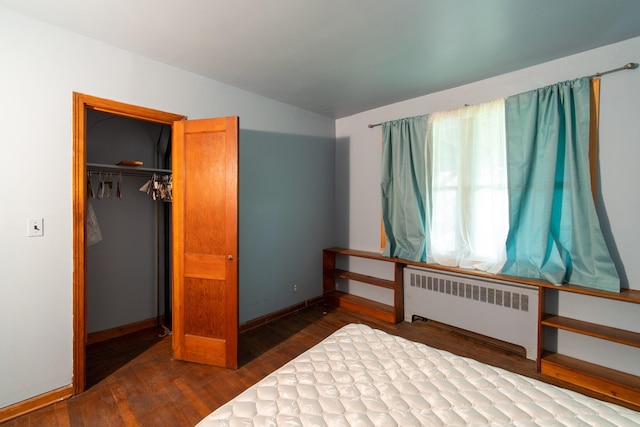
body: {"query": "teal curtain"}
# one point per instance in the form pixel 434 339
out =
pixel 554 232
pixel 403 187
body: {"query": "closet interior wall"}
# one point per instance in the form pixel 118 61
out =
pixel 127 270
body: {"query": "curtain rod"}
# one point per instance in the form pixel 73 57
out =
pixel 629 66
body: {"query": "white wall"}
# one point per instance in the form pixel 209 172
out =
pixel 359 156
pixel 41 67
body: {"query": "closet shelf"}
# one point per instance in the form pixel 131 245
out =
pixel 130 170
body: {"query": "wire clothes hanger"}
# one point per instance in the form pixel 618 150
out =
pixel 105 186
pixel 159 187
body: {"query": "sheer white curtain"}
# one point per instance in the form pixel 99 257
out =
pixel 467 168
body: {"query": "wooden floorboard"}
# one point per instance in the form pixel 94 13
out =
pixel 136 382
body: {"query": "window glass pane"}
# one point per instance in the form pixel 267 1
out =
pixel 468 187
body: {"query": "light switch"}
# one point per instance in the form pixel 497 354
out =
pixel 35 227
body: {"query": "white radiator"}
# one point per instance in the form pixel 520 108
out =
pixel 494 308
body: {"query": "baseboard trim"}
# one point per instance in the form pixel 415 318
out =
pixel 278 314
pixel 37 402
pixel 120 331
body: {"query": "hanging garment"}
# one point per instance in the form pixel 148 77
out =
pixel 93 229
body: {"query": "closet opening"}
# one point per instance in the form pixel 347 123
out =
pixel 128 237
pixel 122 236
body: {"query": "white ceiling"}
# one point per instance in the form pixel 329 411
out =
pixel 340 57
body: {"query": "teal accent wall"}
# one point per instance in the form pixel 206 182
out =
pixel 286 217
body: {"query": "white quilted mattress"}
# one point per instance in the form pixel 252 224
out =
pixel 360 376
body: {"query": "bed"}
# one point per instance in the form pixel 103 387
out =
pixel 361 376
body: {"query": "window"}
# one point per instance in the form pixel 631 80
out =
pixel 467 177
pixel 445 197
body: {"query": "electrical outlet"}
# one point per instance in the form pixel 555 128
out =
pixel 295 288
pixel 35 227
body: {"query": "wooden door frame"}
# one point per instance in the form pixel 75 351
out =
pixel 81 103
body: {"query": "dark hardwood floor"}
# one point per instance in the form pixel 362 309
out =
pixel 134 381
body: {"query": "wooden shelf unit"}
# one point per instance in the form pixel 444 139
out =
pixel 616 384
pixel 595 330
pixel 610 382
pixel 388 313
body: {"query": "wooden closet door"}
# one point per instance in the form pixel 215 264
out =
pixel 205 241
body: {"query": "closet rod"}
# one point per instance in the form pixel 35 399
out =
pixel 125 170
